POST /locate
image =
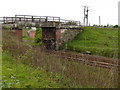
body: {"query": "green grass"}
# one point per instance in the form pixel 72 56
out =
pixel 98 41
pixel 0 69
pixel 18 75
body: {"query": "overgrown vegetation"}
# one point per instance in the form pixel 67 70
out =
pixel 65 74
pixel 33 41
pixel 96 41
pixel 18 75
pixel 38 36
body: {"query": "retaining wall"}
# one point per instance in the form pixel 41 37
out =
pixel 66 35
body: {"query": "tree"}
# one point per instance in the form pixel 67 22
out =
pixel 116 26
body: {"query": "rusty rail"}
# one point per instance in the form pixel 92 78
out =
pixel 87 61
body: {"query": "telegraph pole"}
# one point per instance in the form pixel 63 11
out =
pixel 87 17
pixel 99 21
pixel 84 15
pixel 85 20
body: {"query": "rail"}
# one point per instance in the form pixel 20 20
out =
pixel 87 60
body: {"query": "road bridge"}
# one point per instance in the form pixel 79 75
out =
pixel 51 28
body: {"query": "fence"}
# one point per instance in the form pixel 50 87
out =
pixel 27 20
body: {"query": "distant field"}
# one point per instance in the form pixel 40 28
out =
pixel 97 41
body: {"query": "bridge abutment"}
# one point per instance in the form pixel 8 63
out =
pixel 53 37
pixel 18 33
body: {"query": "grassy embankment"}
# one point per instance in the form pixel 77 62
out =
pixel 20 69
pixel 96 41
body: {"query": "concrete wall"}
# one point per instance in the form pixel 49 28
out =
pixel 69 34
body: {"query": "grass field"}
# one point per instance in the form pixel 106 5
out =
pixel 96 41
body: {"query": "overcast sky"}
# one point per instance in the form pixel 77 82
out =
pixel 66 9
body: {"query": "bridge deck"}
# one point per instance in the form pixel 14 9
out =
pixel 39 21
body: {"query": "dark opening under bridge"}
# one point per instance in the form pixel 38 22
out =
pixel 52 28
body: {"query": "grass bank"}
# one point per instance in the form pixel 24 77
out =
pixel 96 41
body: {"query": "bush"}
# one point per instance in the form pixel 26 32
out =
pixel 38 36
pixel 116 26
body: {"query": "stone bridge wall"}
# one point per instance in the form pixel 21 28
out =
pixel 66 35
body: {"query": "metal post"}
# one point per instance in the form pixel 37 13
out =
pixel 4 19
pixel 99 21
pixel 87 17
pixel 32 19
pixel 46 19
pixel 84 15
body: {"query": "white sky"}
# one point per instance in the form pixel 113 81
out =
pixel 66 9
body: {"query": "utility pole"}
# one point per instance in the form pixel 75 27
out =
pixel 85 20
pixel 99 21
pixel 87 17
pixel 84 15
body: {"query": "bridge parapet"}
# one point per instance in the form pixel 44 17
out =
pixel 39 21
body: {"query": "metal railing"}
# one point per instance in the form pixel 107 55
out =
pixel 39 20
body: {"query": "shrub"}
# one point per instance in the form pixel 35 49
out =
pixel 116 26
pixel 38 36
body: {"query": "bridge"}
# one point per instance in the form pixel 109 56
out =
pixel 39 21
pixel 51 28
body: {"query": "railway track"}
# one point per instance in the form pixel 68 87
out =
pixel 90 60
